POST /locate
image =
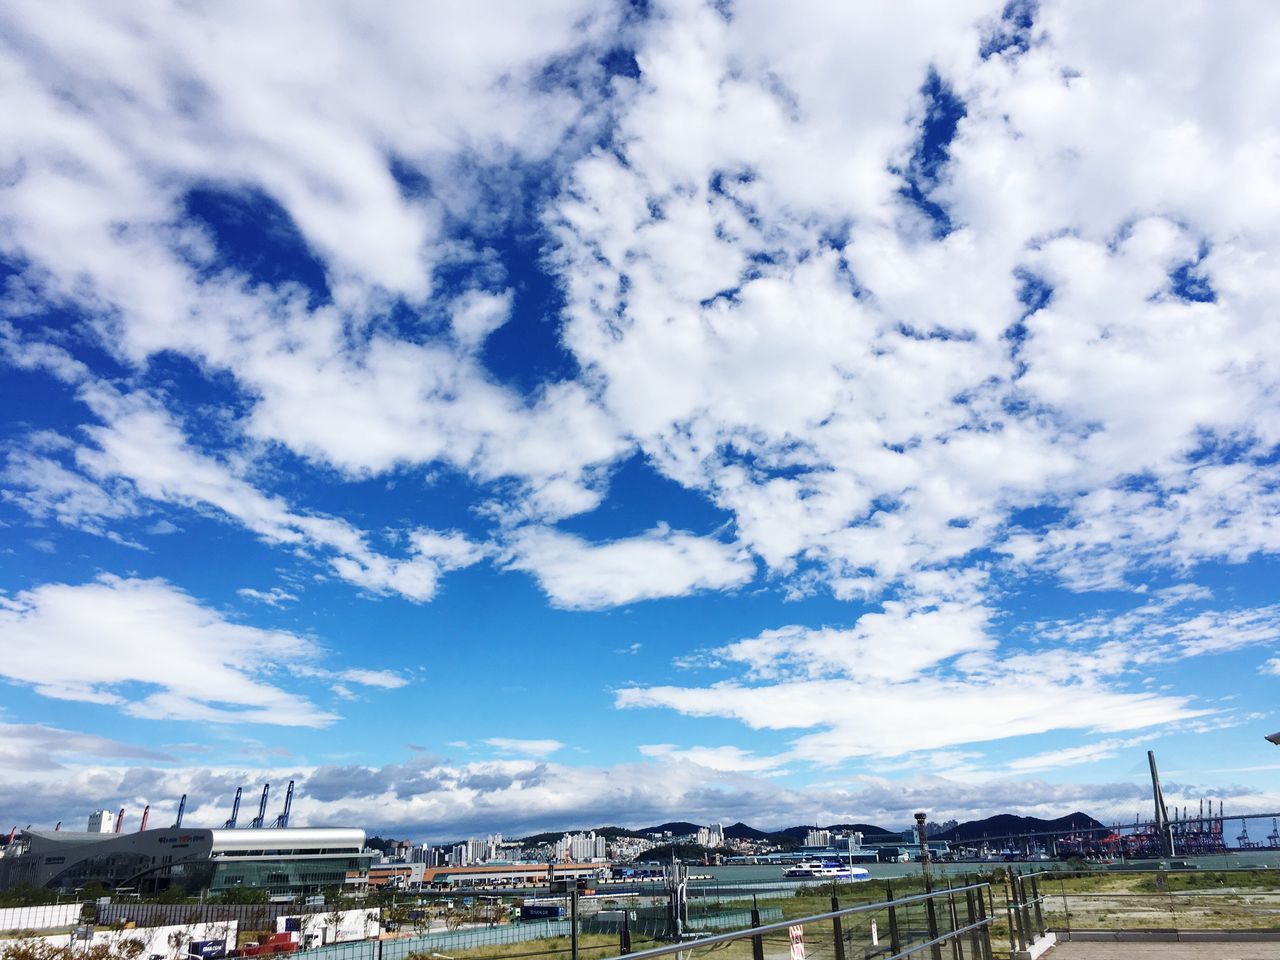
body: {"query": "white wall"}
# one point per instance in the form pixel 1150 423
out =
pixel 47 917
pixel 155 939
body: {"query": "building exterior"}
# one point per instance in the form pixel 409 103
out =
pixel 508 874
pixel 100 821
pixel 711 836
pixel 817 838
pixel 581 846
pixel 285 862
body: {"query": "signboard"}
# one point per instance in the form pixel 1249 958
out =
pixel 797 941
pixel 207 949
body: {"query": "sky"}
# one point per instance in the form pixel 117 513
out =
pixel 508 417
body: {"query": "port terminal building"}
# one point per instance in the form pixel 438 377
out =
pixel 418 875
pixel 285 862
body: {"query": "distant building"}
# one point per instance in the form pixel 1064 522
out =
pixel 817 838
pixel 101 821
pixel 581 847
pixel 293 861
pixel 711 836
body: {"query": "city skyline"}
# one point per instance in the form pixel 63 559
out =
pixel 624 412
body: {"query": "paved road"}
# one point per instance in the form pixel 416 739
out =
pixel 1164 951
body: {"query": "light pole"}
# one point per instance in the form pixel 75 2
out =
pixel 922 833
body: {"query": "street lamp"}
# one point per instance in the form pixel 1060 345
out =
pixel 922 835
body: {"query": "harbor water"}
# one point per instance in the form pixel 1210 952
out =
pixel 762 872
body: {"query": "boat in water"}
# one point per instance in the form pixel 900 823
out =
pixel 819 870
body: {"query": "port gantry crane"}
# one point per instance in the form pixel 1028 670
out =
pixel 235 811
pixel 262 807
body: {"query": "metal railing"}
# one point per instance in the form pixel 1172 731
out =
pixel 1025 906
pixel 933 923
pixel 249 915
pixel 1200 905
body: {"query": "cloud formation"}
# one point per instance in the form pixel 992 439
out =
pixel 923 308
pixel 444 802
pixel 154 652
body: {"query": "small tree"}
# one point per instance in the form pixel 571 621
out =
pixel 38 948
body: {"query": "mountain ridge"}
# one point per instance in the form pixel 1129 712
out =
pixel 997 826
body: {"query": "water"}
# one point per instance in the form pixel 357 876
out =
pixel 759 873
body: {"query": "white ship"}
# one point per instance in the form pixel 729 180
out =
pixel 818 870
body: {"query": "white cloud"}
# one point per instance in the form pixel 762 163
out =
pixel 384 679
pixel 275 597
pixel 31 746
pixel 97 208
pixel 753 300
pixel 897 644
pixel 153 651
pixel 1072 756
pixel 44 488
pixel 476 314
pixel 443 801
pixel 659 563
pixel 749 295
pixel 866 408
pixel 857 718
pixel 729 759
pixel 530 748
pixel 142 443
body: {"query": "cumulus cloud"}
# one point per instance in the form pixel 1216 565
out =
pixel 445 802
pixel 1007 328
pixel 154 652
pixel 659 563
pixel 871 354
pixel 929 302
pixel 896 644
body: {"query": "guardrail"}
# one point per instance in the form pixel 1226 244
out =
pixel 929 924
pixel 1225 901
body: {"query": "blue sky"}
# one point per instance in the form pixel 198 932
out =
pixel 616 413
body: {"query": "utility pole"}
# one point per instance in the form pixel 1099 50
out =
pixel 573 922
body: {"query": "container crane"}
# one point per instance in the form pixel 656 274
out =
pixel 146 814
pixel 120 820
pixel 262 807
pixel 283 819
pixel 235 811
pixel 182 808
